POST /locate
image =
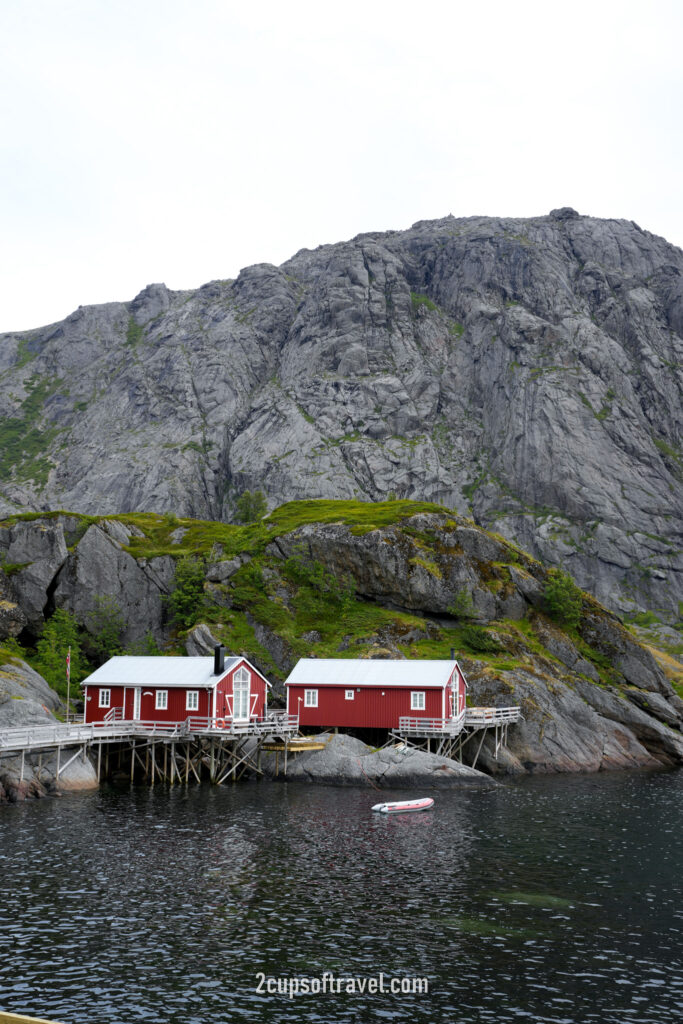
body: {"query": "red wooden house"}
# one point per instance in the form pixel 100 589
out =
pixel 170 690
pixel 374 694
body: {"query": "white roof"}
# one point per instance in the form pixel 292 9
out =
pixel 370 672
pixel 127 670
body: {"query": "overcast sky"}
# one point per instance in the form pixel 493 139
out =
pixel 180 140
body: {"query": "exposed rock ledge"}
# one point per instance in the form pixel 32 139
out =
pixel 26 699
pixel 347 761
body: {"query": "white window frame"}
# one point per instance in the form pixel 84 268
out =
pixel 105 698
pixel 418 700
pixel 161 700
pixel 192 700
pixel 349 695
pixel 310 698
pixel 242 675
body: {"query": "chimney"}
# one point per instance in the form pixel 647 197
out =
pixel 452 653
pixel 218 659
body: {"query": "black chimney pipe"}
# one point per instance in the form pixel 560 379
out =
pixel 452 653
pixel 218 659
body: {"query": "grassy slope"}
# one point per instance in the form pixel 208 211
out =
pixel 291 603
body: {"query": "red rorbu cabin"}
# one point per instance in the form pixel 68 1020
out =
pixel 170 690
pixel 374 694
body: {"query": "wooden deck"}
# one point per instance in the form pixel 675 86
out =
pixel 183 745
pixel 452 734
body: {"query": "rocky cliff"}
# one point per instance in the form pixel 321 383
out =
pixel 352 579
pixel 27 700
pixel 527 372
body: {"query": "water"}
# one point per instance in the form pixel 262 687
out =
pixel 553 899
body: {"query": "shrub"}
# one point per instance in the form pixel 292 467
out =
pixel 462 606
pixel 186 600
pixel 106 629
pixel 60 634
pixel 562 598
pixel 479 639
pixel 251 507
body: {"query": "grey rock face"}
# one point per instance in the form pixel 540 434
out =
pixel 39 547
pixel 99 566
pixel 346 761
pixel 12 617
pixel 529 370
pixel 26 699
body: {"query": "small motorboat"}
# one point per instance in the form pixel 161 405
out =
pixel 401 806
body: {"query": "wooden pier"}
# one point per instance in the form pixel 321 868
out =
pixel 198 747
pixel 451 735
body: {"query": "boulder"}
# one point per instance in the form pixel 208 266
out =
pixel 99 566
pixel 347 761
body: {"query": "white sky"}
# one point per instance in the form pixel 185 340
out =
pixel 180 140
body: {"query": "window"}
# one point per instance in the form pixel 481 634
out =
pixel 105 698
pixel 350 695
pixel 417 700
pixel 310 698
pixel 192 700
pixel 241 676
pixel 162 700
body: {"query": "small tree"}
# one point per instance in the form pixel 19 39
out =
pixel 146 645
pixel 106 629
pixel 562 598
pixel 462 606
pixel 251 507
pixel 60 634
pixel 186 601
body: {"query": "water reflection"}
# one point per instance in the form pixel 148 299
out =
pixel 535 901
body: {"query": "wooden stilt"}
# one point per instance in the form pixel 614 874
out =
pixel 132 761
pixel 59 756
pixel 99 760
pixel 172 763
pixel 165 761
pixel 153 762
pixel 187 762
pixel 21 770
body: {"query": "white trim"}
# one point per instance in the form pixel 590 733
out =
pixel 194 704
pixel 418 700
pixel 137 698
pixel 349 694
pixel 105 704
pixel 313 695
pixel 161 700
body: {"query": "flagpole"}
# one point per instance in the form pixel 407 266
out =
pixel 68 682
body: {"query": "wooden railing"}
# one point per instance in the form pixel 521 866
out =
pixel 491 716
pixel 61 734
pixel 474 717
pixel 431 726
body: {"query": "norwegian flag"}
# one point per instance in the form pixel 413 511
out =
pixel 68 664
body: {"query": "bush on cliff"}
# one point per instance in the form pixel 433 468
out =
pixel 60 633
pixel 562 598
pixel 186 601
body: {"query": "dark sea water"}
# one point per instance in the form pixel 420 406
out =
pixel 551 899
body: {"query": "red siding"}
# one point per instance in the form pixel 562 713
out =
pixel 123 697
pixel 371 708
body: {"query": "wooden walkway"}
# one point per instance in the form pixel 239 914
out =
pixel 451 735
pixel 158 751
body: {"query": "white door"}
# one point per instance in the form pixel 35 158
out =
pixel 136 703
pixel 240 696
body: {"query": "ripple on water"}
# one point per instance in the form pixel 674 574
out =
pixel 536 901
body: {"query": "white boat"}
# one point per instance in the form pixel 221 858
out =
pixel 401 806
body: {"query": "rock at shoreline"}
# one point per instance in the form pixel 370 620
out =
pixel 26 700
pixel 347 761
